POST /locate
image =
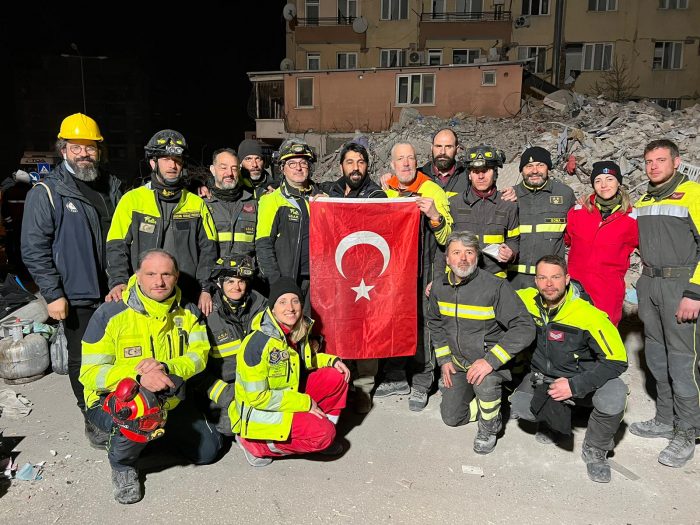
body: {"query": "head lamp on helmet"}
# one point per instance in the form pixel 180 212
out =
pixel 484 156
pixel 166 143
pixel 240 266
pixel 293 148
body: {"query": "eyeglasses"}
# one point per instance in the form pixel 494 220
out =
pixel 294 164
pixel 77 148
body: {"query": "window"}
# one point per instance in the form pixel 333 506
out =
pixel 313 61
pixel 535 7
pixel 668 55
pixel 305 92
pixel 597 57
pixel 434 57
pixel 673 4
pixel 539 54
pixel 347 60
pixel 312 12
pixel 415 89
pixel 347 8
pixel 438 8
pixel 465 56
pixel 488 78
pixel 394 10
pixel 470 6
pixel 602 5
pixel 391 58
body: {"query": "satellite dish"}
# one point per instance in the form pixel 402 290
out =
pixel 360 25
pixel 287 64
pixel 289 11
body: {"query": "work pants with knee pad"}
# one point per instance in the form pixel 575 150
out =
pixel 187 434
pixel 608 403
pixel 671 350
pixel 464 402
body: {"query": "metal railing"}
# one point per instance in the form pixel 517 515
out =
pixel 473 16
pixel 327 21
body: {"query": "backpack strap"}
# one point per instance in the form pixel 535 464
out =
pixel 48 191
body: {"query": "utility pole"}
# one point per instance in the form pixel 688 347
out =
pixel 81 57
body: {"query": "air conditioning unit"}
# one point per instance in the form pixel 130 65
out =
pixel 494 54
pixel 521 21
pixel 499 2
pixel 415 58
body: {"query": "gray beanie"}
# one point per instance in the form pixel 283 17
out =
pixel 249 147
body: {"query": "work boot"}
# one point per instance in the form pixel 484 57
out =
pixel 545 435
pixel 418 400
pixel 485 440
pixel 334 449
pixel 97 437
pixel 362 402
pixel 652 429
pixel 392 388
pixel 127 488
pixel 680 450
pixel 253 461
pixel 596 460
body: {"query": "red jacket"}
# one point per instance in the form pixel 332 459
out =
pixel 599 254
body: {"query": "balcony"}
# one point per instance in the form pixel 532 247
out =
pixel 327 30
pixel 475 25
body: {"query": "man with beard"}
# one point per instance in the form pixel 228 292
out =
pixel 65 224
pixel 355 183
pixel 231 205
pixel 165 215
pixel 436 225
pixel 255 177
pixel 577 361
pixel 543 204
pixel 477 324
pixel 444 169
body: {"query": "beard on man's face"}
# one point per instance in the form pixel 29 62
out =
pixel 85 172
pixel 354 179
pixel 443 162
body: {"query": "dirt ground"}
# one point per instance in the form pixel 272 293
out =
pixel 399 467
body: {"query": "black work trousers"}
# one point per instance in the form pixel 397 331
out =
pixel 74 326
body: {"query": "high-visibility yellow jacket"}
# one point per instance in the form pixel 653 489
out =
pixel 267 381
pixel 121 334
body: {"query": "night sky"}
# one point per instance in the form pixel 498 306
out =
pixel 197 58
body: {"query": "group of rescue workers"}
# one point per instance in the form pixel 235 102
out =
pixel 187 311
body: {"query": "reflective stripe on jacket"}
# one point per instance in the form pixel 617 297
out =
pixel 267 381
pixel 138 226
pixel 579 342
pixel 121 334
pixel 668 232
pixel 479 318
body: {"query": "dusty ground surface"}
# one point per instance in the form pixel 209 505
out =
pixel 400 467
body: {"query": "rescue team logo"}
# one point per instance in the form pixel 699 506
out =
pixel 223 335
pixel 248 208
pixel 555 220
pixel 133 351
pixel 676 196
pixel 147 228
pixel 555 335
pixel 293 215
pixel 278 355
pixel 556 199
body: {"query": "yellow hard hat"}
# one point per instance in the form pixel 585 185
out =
pixel 79 126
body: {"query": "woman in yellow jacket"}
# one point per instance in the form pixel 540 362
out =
pixel 288 395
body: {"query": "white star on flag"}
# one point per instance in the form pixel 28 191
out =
pixel 362 290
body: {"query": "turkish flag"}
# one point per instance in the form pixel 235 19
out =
pixel 364 275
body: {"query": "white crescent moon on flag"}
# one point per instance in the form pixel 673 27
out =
pixel 362 237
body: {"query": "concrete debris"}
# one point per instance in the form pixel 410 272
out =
pixel 14 405
pixel 590 129
pixel 476 471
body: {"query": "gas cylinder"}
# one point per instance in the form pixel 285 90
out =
pixel 23 358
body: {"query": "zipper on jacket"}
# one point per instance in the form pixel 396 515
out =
pixel 153 348
pixel 170 346
pixel 609 351
pixel 289 369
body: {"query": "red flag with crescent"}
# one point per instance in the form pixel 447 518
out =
pixel 364 275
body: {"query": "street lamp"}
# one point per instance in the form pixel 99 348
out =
pixel 80 56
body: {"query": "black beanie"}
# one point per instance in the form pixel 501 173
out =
pixel 249 147
pixel 282 286
pixel 535 154
pixel 606 167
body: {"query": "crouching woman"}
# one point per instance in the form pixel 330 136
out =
pixel 288 395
